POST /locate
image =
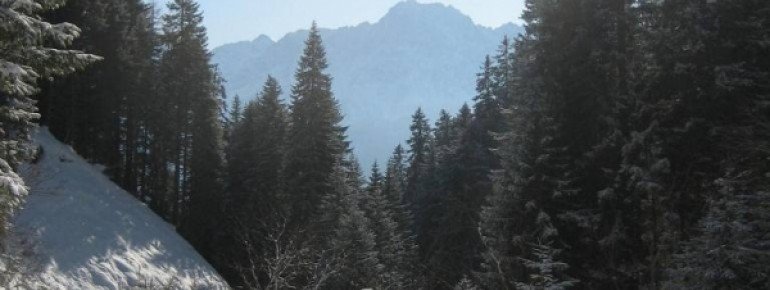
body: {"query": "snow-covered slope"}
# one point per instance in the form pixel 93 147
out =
pixel 84 232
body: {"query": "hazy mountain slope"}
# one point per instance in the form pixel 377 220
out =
pixel 84 232
pixel 416 55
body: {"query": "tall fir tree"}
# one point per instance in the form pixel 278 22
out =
pixel 191 93
pixel 464 180
pixel 396 251
pixel 706 103
pixel 394 186
pixel 315 137
pixel 255 182
pixel 348 243
pixel 102 112
pixel 419 178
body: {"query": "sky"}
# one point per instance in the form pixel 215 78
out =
pixel 237 20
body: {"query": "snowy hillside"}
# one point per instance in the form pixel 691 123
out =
pixel 417 55
pixel 84 232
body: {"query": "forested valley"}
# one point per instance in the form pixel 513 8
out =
pixel 616 144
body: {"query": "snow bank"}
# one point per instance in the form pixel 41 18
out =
pixel 84 232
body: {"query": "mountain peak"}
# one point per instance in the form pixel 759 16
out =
pixel 263 39
pixel 411 10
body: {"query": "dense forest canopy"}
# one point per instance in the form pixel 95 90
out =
pixel 616 144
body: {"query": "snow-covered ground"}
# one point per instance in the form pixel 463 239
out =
pixel 83 232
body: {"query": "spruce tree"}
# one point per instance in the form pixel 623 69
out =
pixel 396 249
pixel 522 189
pixel 315 138
pixel 234 115
pixel 731 249
pixel 257 151
pixel 419 157
pixel 349 241
pixel 100 112
pixel 394 185
pixel 464 180
pixel 395 175
pixel 419 179
pixel 192 93
pixel 385 229
pixel 707 103
pixel 255 182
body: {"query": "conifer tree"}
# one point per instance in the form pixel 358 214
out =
pixel 419 180
pixel 731 250
pixel 103 119
pixel 464 180
pixel 257 151
pixel 235 114
pixel 522 189
pixel 419 157
pixel 500 77
pixel 445 136
pixel 396 249
pixel 255 182
pixel 348 238
pixel 704 100
pixel 394 185
pixel 385 229
pixel 191 90
pixel 315 138
pixel 395 175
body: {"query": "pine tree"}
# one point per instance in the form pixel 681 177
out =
pixel 445 136
pixel 396 249
pixel 257 151
pixel 419 158
pixel 191 100
pixel 315 138
pixel 523 187
pixel 385 229
pixel 418 172
pixel 394 185
pixel 464 179
pixel 395 175
pixel 731 251
pixel 500 72
pixel 31 49
pixel 235 114
pixel 255 181
pixel 349 239
pixel 100 111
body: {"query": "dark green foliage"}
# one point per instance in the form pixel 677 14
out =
pixel 463 178
pixel 315 137
pixel 234 116
pixel 396 249
pixel 731 249
pixel 255 182
pixel 617 144
pixel 349 241
pixel 420 158
pixel 99 111
pixel 257 150
pixel 191 91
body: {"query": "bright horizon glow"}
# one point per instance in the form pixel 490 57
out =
pixel 230 21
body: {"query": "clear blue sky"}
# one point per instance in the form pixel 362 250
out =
pixel 235 20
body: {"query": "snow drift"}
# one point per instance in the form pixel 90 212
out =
pixel 83 232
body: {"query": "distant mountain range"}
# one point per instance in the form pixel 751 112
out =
pixel 417 55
